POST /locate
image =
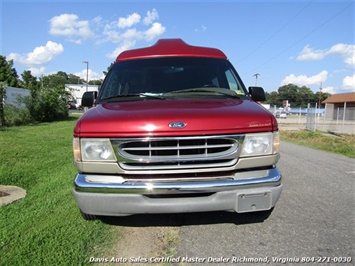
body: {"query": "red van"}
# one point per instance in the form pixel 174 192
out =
pixel 173 129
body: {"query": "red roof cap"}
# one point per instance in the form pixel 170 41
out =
pixel 170 47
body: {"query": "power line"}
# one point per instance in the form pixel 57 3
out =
pixel 274 34
pixel 317 28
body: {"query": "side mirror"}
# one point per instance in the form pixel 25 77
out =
pixel 257 94
pixel 88 98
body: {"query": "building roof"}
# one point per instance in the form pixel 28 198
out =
pixel 341 98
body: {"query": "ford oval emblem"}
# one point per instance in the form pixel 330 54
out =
pixel 177 125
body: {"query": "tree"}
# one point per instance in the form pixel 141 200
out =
pixel 47 104
pixel 73 79
pixel 28 81
pixel 8 74
pixel 108 68
pixel 96 82
pixel 296 96
pixel 48 99
pixel 305 96
pixel 272 98
pixel 54 80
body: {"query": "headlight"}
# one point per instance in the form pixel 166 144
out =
pixel 260 144
pixel 93 150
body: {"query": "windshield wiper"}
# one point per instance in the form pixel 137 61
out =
pixel 143 95
pixel 119 96
pixel 218 90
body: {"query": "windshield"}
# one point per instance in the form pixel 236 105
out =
pixel 170 75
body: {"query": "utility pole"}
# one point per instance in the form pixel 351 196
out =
pixel 319 98
pixel 87 74
pixel 256 78
pixel 320 94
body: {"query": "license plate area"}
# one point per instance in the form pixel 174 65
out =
pixel 249 202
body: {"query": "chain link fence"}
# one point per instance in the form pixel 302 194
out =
pixel 337 120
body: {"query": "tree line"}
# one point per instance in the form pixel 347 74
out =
pixel 295 95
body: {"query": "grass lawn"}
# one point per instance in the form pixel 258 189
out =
pixel 45 228
pixel 344 144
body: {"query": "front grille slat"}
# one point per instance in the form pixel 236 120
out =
pixel 178 152
pixel 178 147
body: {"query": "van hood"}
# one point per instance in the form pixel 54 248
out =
pixel 180 117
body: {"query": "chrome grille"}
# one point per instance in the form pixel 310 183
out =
pixel 177 152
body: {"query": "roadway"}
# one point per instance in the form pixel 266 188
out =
pixel 313 220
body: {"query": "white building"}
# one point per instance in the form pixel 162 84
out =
pixel 77 90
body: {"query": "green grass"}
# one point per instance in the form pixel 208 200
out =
pixel 44 228
pixel 343 144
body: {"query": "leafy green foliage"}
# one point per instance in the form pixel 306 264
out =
pixel 46 105
pixel 296 96
pixel 28 81
pixel 16 116
pixel 8 74
pixel 48 99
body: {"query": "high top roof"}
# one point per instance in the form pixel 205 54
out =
pixel 170 47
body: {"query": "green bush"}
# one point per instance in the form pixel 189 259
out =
pixel 43 105
pixel 47 105
pixel 16 116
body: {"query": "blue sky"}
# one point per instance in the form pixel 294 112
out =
pixel 307 42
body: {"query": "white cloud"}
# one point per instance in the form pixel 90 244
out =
pixel 40 55
pixel 308 53
pixel 37 71
pixel 151 16
pixel 129 21
pixel 202 28
pixel 111 33
pixel 97 20
pixel 126 45
pixel 349 82
pixel 156 30
pixel 303 80
pixel 347 51
pixel 330 90
pixel 128 31
pixel 132 34
pixel 70 26
pixel 350 60
pixel 91 74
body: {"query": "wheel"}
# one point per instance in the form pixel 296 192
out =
pixel 88 217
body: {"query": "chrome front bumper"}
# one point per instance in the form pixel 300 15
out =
pixel 241 192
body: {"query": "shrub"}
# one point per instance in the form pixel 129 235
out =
pixel 47 105
pixel 16 116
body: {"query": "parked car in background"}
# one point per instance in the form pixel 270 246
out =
pixel 281 115
pixel 71 105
